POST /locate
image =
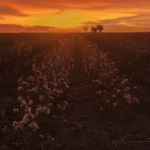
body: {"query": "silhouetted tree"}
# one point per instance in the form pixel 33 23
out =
pixel 93 29
pixel 100 28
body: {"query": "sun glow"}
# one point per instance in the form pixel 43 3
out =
pixel 64 19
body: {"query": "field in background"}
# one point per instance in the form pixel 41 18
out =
pixel 75 91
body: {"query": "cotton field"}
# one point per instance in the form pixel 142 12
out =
pixel 74 87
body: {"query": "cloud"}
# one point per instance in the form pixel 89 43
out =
pixel 6 10
pixel 137 22
pixel 136 17
pixel 78 4
pixel 11 28
pixel 133 18
pixel 1 17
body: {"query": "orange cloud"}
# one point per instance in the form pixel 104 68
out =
pixel 11 28
pixel 7 10
pixel 79 4
pixel 138 22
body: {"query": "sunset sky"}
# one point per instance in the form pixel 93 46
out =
pixel 72 15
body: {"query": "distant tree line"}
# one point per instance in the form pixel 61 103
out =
pixel 97 28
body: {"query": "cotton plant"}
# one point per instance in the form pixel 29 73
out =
pixel 40 93
pixel 112 90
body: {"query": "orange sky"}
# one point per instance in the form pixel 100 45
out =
pixel 72 15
